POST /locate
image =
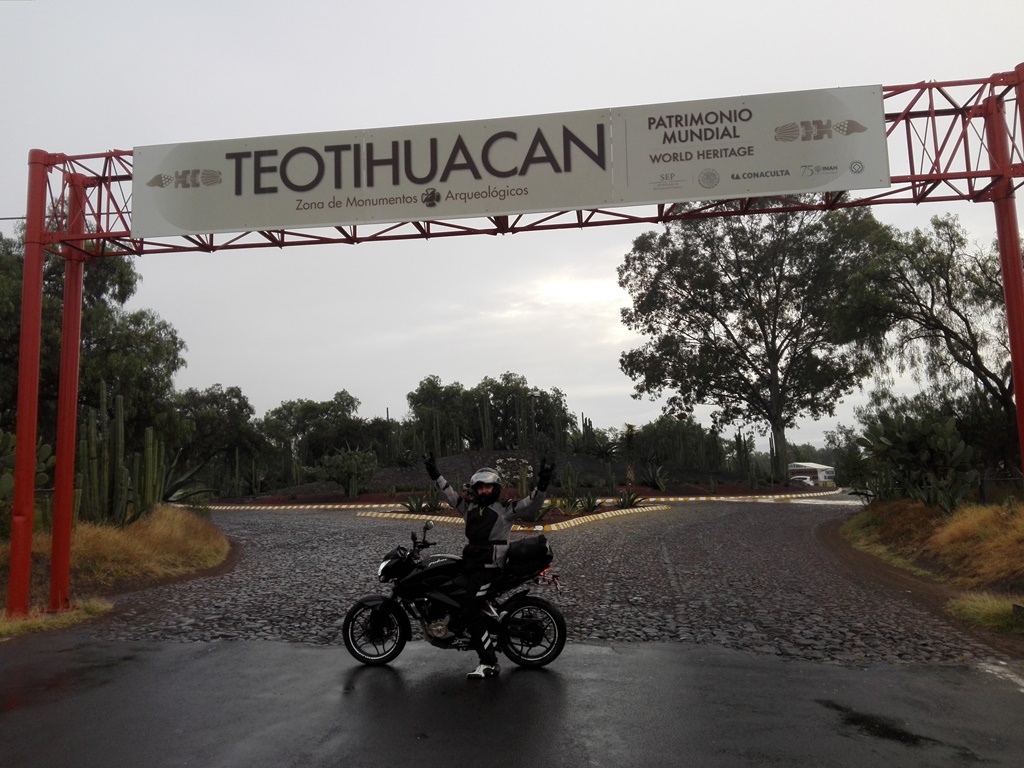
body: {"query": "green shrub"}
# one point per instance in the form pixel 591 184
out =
pixel 917 459
pixel 653 477
pixel 352 469
pixel 569 480
pixel 628 500
pixel 588 503
pixel 415 504
pixel 432 500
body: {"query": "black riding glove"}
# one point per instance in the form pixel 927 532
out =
pixel 544 475
pixel 428 462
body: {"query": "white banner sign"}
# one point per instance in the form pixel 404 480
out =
pixel 807 141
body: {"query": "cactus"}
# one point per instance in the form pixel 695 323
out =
pixel 569 480
pixel 148 475
pixel 106 481
pixel 437 436
pixel 486 427
pixel 44 463
pixel 742 454
pixel 629 452
pixel 609 476
pixel 927 461
pixel 114 487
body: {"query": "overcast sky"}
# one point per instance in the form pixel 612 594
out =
pixel 83 77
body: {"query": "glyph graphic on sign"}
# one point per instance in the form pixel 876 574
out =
pixel 187 179
pixel 816 130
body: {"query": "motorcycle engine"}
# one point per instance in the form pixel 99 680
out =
pixel 438 628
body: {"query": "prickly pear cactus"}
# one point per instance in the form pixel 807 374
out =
pixel 917 459
pixel 44 463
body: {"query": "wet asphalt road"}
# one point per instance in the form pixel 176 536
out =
pixel 697 636
pixel 75 701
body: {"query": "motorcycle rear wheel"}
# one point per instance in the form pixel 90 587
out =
pixel 533 632
pixel 373 633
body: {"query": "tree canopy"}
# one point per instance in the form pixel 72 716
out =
pixel 943 302
pixel 765 317
pixel 136 353
pixel 745 313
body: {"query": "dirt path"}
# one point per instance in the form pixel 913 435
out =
pixel 929 595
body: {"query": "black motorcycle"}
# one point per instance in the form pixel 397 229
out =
pixel 530 631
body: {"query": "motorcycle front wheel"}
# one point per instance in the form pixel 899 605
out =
pixel 533 632
pixel 373 633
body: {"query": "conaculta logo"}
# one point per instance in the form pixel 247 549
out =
pixel 816 130
pixel 190 178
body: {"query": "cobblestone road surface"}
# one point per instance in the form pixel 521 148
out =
pixel 744 575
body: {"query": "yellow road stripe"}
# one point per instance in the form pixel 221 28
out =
pixel 368 510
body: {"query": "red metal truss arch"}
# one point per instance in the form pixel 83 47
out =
pixel 948 141
pixel 939 152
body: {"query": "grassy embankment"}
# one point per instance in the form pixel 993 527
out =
pixel 168 543
pixel 979 550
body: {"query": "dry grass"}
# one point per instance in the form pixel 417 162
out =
pixel 168 543
pixel 980 548
pixel 984 545
pixel 994 612
pixel 38 621
pixel 894 531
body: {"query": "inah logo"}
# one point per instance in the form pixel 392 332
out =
pixel 857 166
pixel 430 198
pixel 187 179
pixel 815 130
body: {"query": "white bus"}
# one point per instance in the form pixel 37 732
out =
pixel 818 473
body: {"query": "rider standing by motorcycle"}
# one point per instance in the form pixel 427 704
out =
pixel 488 524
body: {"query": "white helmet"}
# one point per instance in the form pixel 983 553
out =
pixel 486 476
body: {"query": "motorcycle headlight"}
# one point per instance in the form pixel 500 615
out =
pixel 395 565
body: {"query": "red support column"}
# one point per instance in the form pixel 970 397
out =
pixel 67 404
pixel 1008 237
pixel 23 511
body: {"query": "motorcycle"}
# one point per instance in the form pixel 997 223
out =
pixel 530 631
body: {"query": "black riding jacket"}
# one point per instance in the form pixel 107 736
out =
pixel 488 528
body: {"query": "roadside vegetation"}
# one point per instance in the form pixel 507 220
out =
pixel 768 318
pixel 976 549
pixel 168 543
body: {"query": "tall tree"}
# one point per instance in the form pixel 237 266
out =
pixel 436 415
pixel 310 430
pixel 516 415
pixel 221 423
pixel 943 300
pixel 135 353
pixel 742 314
